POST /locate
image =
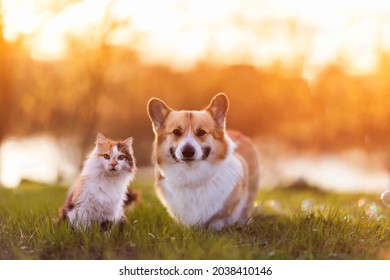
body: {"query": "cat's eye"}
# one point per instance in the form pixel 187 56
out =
pixel 106 156
pixel 121 157
pixel 200 133
pixel 176 132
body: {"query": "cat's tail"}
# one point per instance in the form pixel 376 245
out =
pixel 131 197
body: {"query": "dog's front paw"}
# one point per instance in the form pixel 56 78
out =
pixel 216 225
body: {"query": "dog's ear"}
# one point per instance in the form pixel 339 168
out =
pixel 218 108
pixel 158 112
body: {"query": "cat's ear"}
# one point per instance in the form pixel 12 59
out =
pixel 101 142
pixel 128 142
pixel 100 138
pixel 158 112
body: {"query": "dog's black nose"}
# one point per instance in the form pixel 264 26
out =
pixel 188 151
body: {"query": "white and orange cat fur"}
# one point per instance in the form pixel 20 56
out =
pixel 204 175
pixel 101 192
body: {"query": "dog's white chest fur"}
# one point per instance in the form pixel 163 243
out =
pixel 193 194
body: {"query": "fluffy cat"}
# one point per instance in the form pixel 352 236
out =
pixel 101 194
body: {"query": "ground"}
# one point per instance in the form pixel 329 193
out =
pixel 290 222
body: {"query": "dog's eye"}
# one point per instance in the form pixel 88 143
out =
pixel 176 132
pixel 121 157
pixel 200 133
pixel 106 156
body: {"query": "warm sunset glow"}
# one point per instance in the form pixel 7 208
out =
pixel 307 78
pixel 182 32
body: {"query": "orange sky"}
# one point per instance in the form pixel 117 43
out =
pixel 182 32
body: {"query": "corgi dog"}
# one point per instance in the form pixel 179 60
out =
pixel 205 175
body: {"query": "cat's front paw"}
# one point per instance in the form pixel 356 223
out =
pixel 106 225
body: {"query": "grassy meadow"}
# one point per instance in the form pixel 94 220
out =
pixel 294 222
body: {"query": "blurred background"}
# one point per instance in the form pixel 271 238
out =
pixel 309 81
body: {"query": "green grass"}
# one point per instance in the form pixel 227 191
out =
pixel 332 226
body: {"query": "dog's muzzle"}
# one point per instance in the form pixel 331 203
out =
pixel 188 153
pixel 172 153
pixel 206 152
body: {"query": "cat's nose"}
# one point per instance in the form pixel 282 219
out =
pixel 114 163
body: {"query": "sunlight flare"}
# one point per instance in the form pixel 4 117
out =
pixel 182 32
